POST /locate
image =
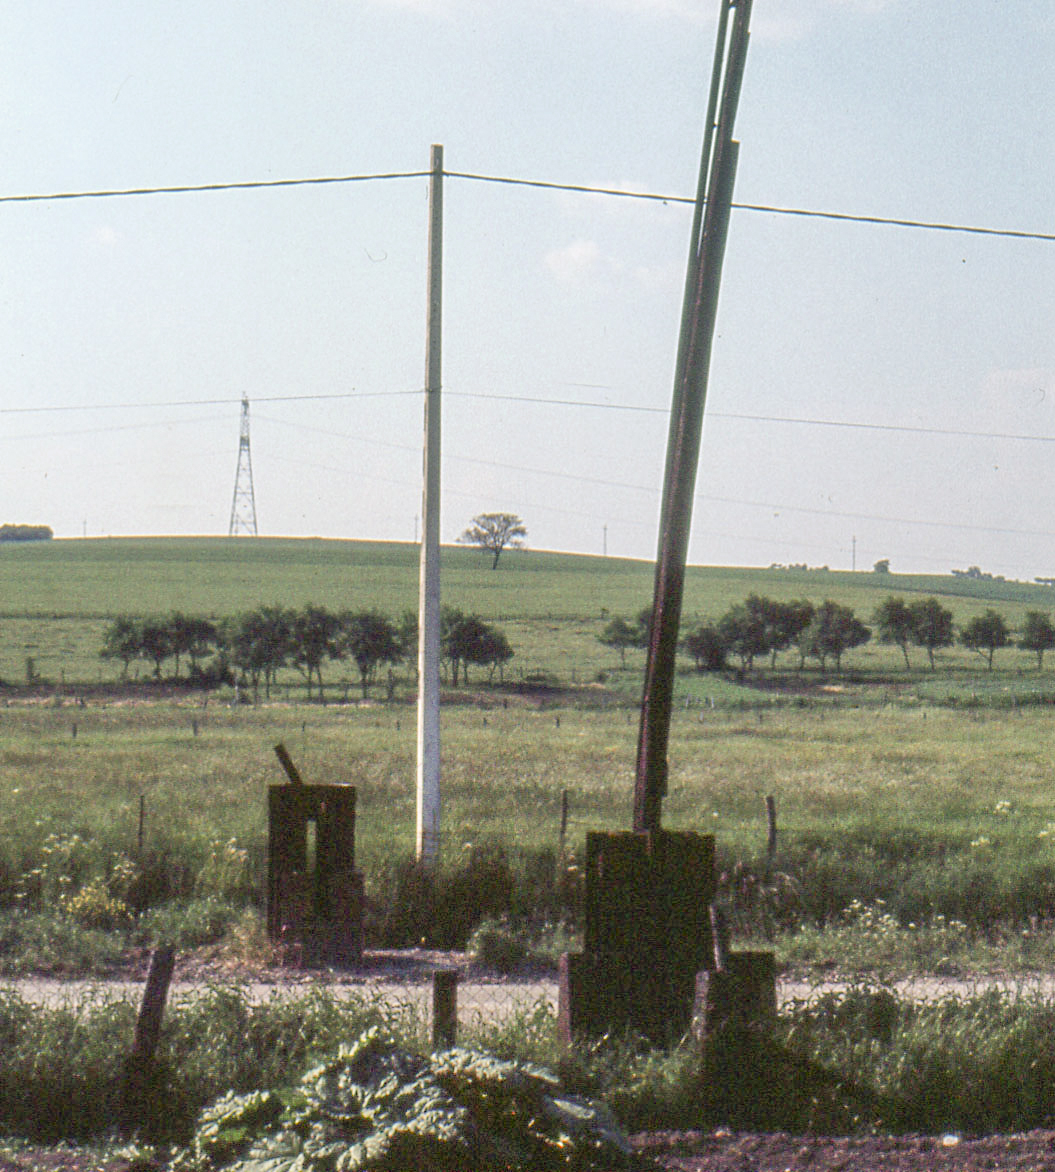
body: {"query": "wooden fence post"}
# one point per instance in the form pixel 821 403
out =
pixel 771 833
pixel 444 1009
pixel 736 1007
pixel 141 1092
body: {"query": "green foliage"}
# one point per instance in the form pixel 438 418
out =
pixel 370 639
pixel 57 944
pixel 61 1067
pixel 986 633
pixel 744 631
pixel 313 635
pixel 832 631
pixel 707 647
pixel 418 906
pixel 1037 635
pixel 187 924
pixel 225 873
pixel 466 639
pixel 895 624
pixel 60 596
pixel 26 533
pixel 495 532
pixel 622 634
pixel 980 1064
pixel 122 641
pixel 376 1106
pixel 932 626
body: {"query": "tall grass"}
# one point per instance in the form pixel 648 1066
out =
pixel 842 1063
pixel 936 811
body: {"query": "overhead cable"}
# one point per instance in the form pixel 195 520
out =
pixel 581 188
pixel 187 188
pixel 768 209
pixel 846 423
pixel 204 402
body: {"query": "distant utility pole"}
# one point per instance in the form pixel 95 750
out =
pixel 428 774
pixel 243 507
pixel 714 196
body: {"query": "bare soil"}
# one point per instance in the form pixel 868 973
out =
pixel 721 1151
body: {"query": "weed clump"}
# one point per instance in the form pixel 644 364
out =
pixel 374 1105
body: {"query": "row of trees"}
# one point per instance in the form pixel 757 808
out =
pixel 755 628
pixel 760 627
pixel 927 624
pixel 255 646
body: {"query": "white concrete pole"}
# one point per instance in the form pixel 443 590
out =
pixel 428 787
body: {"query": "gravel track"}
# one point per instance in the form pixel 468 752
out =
pixel 492 995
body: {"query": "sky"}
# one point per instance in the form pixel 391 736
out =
pixel 875 391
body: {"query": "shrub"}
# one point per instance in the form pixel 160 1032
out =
pixel 495 945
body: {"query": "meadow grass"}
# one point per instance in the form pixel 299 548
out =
pixel 925 790
pixel 934 811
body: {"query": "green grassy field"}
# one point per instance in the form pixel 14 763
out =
pixel 927 790
pixel 915 811
pixel 56 598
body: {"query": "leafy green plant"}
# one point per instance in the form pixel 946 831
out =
pixel 93 906
pixel 376 1106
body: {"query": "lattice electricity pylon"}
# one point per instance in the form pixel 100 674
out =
pixel 243 507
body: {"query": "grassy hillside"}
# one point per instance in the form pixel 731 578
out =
pixel 56 597
pixel 101 577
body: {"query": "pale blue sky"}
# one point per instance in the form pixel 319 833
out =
pixel 127 313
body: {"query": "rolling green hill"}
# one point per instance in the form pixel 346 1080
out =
pixel 56 596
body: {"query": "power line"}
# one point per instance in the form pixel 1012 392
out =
pixel 202 402
pixel 534 400
pixel 901 427
pixel 653 490
pixel 896 427
pixel 540 401
pixel 928 225
pixel 188 188
pixel 768 209
pixel 580 188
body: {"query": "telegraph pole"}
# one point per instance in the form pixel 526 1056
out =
pixel 714 196
pixel 428 758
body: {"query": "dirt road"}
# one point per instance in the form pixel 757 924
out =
pixel 491 995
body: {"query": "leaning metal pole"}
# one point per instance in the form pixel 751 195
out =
pixel 703 279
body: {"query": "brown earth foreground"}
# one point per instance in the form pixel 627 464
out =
pixel 722 1151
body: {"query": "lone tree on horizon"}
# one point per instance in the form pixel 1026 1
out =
pixel 493 532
